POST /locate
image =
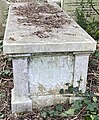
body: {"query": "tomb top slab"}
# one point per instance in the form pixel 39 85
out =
pixel 22 37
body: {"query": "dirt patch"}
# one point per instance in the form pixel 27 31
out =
pixel 43 15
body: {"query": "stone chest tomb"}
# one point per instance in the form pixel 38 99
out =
pixel 49 49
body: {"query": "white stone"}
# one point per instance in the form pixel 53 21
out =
pixel 42 66
pixel 49 73
pixel 3 8
pixel 20 104
pixel 48 100
pixel 54 1
pixel 20 94
pixel 70 38
pixel 38 78
pixel 80 71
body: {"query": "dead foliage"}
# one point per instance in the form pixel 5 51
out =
pixel 44 16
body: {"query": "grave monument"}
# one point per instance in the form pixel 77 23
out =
pixel 48 50
pixel 89 9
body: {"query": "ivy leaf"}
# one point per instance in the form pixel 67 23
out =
pixel 92 62
pixel 87 92
pixel 87 102
pixel 51 113
pixel 94 105
pixel 96 117
pixel 93 113
pixel 56 114
pixel 77 104
pixel 94 99
pixel 1 115
pixel 76 89
pixel 92 94
pixel 68 112
pixel 97 54
pixel 44 114
pixel 88 117
pixel 70 89
pixel 92 117
pixel 90 107
pixel 59 108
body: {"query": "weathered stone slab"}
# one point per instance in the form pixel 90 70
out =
pixel 3 7
pixel 43 65
pixel 20 39
pixel 49 73
pixel 70 7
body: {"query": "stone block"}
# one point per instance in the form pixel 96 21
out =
pixel 20 104
pixel 3 8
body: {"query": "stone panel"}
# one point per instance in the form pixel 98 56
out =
pixel 48 74
pixel 70 7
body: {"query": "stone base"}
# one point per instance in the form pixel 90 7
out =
pixel 26 104
pixel 20 105
pixel 48 100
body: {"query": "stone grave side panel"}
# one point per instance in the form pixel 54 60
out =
pixel 70 7
pixel 49 73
